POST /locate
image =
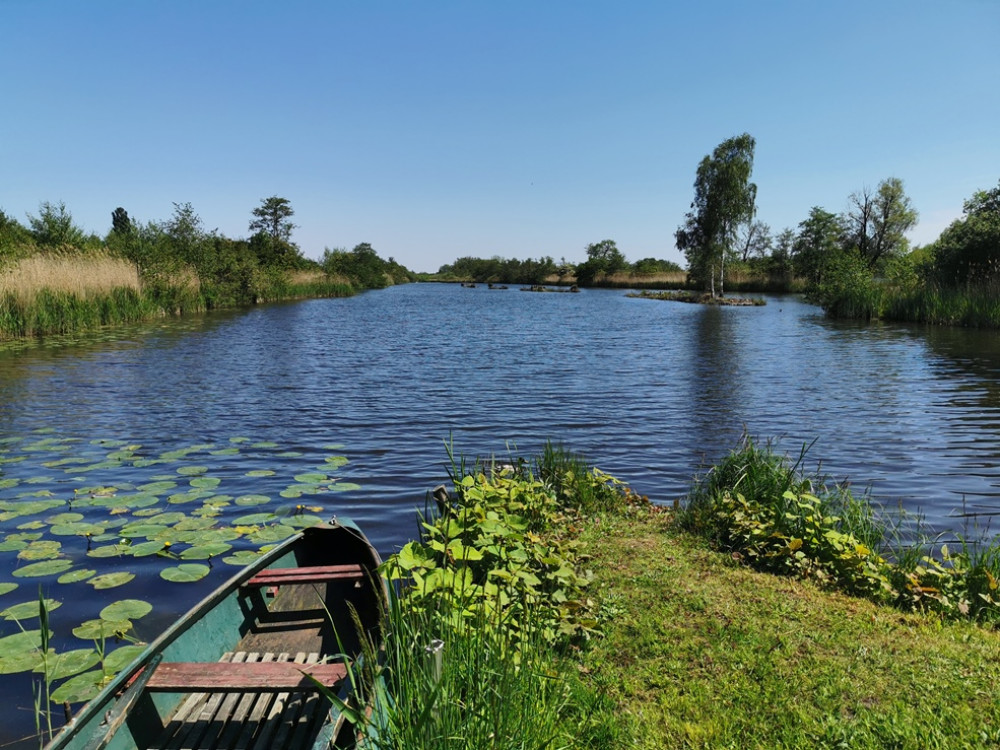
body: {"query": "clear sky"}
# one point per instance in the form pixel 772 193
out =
pixel 438 129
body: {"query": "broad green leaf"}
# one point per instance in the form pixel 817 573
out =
pixel 99 630
pixel 185 573
pixel 59 666
pixel 27 610
pixel 120 658
pixel 45 568
pixel 75 576
pixel 81 688
pixel 111 580
pixel 126 609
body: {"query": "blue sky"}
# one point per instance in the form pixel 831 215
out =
pixel 435 130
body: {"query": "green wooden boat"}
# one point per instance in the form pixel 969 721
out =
pixel 232 672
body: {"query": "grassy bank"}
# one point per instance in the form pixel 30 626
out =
pixel 972 306
pixel 70 292
pixel 574 614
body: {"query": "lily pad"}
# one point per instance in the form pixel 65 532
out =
pixel 241 558
pixel 26 610
pixel 226 452
pixel 252 500
pixel 343 487
pixel 81 688
pixel 155 488
pixel 126 609
pixel 311 478
pixel 145 549
pixel 261 473
pixel 190 471
pixel 99 630
pixel 205 551
pixel 205 483
pixel 120 658
pixel 77 529
pixel 274 533
pixel 59 666
pixel 22 662
pixel 61 518
pixel 43 549
pixel 185 573
pixel 75 576
pixel 45 568
pixel 111 580
pixel 6 588
pixel 108 550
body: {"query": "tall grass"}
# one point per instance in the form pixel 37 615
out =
pixel 80 275
pixel 763 509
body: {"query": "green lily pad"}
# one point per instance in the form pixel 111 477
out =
pixel 238 440
pixel 19 643
pixel 6 588
pixel 26 610
pixel 190 471
pixel 45 568
pixel 126 609
pixel 13 545
pixel 23 662
pixel 186 497
pixel 205 483
pixel 205 551
pixel 241 558
pixel 147 512
pixel 172 517
pixel 264 444
pixel 334 462
pixel 43 549
pixel 145 549
pixel 108 550
pixel 100 630
pixel 59 666
pixel 185 573
pixel 311 478
pixel 343 487
pixel 75 576
pixel 252 500
pixel 274 533
pixel 155 488
pixel 292 494
pixel 81 688
pixel 226 452
pixel 253 519
pixel 8 483
pixel 261 473
pixel 111 580
pixel 61 518
pixel 77 529
pixel 120 658
pixel 134 530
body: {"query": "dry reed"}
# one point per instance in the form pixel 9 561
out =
pixel 83 276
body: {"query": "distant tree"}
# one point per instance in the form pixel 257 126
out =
pixel 753 241
pixel 818 240
pixel 603 259
pixel 969 249
pixel 273 217
pixel 724 199
pixel 54 226
pixel 650 266
pixel 121 224
pixel 877 222
pixel 13 234
pixel 779 264
pixel 185 234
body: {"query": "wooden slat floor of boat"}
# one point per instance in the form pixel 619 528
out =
pixel 309 574
pixel 248 720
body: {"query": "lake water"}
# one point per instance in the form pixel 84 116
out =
pixel 649 391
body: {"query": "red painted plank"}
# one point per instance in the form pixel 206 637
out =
pixel 257 677
pixel 314 574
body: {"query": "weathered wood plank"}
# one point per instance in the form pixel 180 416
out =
pixel 259 677
pixel 315 574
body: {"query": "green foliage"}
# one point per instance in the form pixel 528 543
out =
pixel 15 239
pixel 877 222
pixel 362 266
pixel 651 266
pixel 502 270
pixel 603 259
pixel 969 249
pixel 762 510
pixel 724 200
pixel 273 218
pixel 54 227
pixel 817 243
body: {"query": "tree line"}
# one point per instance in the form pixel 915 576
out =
pixel 180 253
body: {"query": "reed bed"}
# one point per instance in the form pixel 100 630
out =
pixel 80 275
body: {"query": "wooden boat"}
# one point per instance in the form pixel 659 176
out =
pixel 232 672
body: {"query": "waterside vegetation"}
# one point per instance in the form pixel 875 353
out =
pixel 546 605
pixel 56 279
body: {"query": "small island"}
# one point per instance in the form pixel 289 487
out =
pixel 700 298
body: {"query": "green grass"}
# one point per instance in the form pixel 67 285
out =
pixel 703 652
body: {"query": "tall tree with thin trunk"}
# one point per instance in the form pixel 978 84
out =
pixel 724 200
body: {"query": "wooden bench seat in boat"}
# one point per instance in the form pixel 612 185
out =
pixel 259 677
pixel 314 574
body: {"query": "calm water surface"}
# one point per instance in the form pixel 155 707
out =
pixel 648 390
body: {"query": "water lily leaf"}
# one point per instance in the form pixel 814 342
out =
pixel 61 518
pixel 168 518
pixel 238 440
pixel 145 549
pixel 289 454
pixel 226 452
pixel 147 512
pixel 26 610
pixel 59 666
pixel 334 462
pixel 205 551
pixel 264 444
pixel 8 483
pixel 155 488
pixel 343 487
pixel 111 580
pixel 302 521
pixel 193 524
pixel 120 658
pixel 100 630
pixel 23 662
pixel 186 497
pixel 190 471
pixel 241 558
pixel 75 576
pixel 12 545
pixel 253 519
pixel 274 533
pixel 46 568
pixel 185 573
pixel 77 529
pixel 31 526
pixel 292 494
pixel 143 529
pixel 311 478
pixel 136 501
pixel 108 550
pixel 6 588
pixel 252 500
pixel 205 483
pixel 260 473
pixel 44 549
pixel 81 688
pixel 126 609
